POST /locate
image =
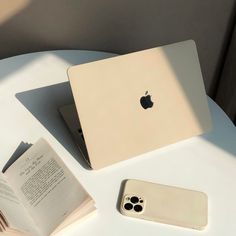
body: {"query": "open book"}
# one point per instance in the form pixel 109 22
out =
pixel 39 196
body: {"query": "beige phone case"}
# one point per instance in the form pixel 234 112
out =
pixel 164 204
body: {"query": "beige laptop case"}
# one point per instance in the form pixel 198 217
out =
pixel 107 95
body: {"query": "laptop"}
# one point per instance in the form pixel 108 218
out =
pixel 132 104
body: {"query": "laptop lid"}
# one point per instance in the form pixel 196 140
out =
pixel 138 102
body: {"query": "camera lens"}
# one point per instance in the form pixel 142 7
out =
pixel 138 208
pixel 128 206
pixel 134 199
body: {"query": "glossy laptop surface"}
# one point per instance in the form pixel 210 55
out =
pixel 132 104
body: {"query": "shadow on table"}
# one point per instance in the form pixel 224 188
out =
pixel 43 103
pixel 223 133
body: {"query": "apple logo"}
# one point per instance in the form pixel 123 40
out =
pixel 146 101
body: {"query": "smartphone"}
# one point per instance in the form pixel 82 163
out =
pixel 164 204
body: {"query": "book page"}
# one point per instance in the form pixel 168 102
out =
pixel 45 186
pixel 14 213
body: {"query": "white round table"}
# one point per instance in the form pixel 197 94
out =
pixel 33 86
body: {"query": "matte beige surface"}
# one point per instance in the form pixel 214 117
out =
pixel 107 95
pixel 167 204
